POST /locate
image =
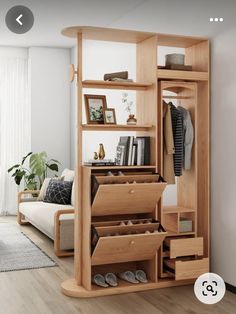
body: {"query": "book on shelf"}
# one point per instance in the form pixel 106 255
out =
pixel 133 151
pixel 120 153
pixel 97 163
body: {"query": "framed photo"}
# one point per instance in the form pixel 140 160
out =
pixel 109 116
pixel 95 106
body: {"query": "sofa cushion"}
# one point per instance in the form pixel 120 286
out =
pixel 69 175
pixel 44 187
pixel 42 215
pixel 58 192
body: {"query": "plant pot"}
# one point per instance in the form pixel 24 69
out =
pixel 132 120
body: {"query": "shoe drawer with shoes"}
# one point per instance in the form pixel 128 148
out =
pixel 123 243
pixel 113 195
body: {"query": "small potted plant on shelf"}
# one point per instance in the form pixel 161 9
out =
pixel 128 107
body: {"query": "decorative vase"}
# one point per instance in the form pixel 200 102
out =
pixel 132 120
pixel 101 153
pixel 95 156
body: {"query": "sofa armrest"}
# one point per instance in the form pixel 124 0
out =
pixel 57 248
pixel 20 217
pixel 27 192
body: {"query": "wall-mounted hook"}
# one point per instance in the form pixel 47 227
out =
pixel 73 72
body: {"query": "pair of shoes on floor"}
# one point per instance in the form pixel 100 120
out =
pixel 109 279
pixel 110 174
pixel 134 277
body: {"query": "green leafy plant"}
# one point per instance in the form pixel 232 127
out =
pixel 39 165
pixel 128 104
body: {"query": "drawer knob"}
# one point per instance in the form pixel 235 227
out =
pixel 131 192
pixel 132 242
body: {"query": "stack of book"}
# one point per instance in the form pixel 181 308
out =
pixel 133 151
pixel 102 162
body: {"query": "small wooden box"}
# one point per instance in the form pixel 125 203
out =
pixel 185 225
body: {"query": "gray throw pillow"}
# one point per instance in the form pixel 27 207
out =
pixel 58 192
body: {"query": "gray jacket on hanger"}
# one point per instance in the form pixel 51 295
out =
pixel 188 137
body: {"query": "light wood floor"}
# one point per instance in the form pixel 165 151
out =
pixel 38 291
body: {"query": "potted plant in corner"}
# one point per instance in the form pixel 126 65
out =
pixel 34 175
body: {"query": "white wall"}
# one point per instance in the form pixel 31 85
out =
pixel 99 58
pixel 50 102
pixel 223 212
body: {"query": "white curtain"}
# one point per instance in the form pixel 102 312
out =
pixel 15 125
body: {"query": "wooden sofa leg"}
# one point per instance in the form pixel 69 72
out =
pixel 57 250
pixel 20 219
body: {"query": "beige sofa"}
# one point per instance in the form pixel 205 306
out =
pixel 54 220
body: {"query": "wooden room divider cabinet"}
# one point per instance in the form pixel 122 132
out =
pixel 168 256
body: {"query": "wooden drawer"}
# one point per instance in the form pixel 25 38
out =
pixel 187 269
pixel 114 199
pixel 125 248
pixel 184 247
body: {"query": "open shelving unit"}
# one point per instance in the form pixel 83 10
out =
pixel 114 201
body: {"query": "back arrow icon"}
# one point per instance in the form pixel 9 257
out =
pixel 18 19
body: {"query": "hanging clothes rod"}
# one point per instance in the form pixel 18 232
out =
pixel 176 97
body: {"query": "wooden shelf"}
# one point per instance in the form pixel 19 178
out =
pixel 119 167
pixel 130 36
pixel 71 289
pixel 182 75
pixel 115 127
pixel 177 209
pixel 115 85
pixel 172 233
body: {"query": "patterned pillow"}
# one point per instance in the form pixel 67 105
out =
pixel 58 192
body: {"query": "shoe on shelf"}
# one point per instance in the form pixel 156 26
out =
pixel 141 276
pixel 122 223
pixel 110 174
pixel 120 173
pixel 99 280
pixel 111 279
pixel 128 276
pixel 129 223
pixel 147 231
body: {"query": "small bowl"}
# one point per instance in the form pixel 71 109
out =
pixel 175 58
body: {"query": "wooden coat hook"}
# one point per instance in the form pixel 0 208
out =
pixel 73 72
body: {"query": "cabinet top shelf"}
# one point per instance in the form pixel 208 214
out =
pixel 130 36
pixel 116 85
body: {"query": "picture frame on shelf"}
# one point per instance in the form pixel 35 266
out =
pixel 94 107
pixel 109 115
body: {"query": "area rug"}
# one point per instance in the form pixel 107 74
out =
pixel 18 252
